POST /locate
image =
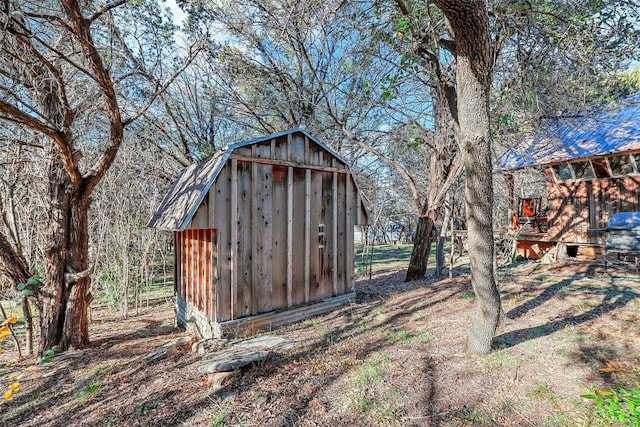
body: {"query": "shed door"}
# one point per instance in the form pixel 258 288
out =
pixel 196 260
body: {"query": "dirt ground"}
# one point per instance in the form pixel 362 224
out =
pixel 394 357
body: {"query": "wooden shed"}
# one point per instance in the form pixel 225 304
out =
pixel 592 165
pixel 260 228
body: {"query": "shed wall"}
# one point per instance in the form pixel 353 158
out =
pixel 578 210
pixel 284 212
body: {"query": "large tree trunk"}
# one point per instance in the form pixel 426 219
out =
pixel 441 167
pixel 421 246
pixel 64 298
pixel 470 24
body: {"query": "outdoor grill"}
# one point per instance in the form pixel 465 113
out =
pixel 623 235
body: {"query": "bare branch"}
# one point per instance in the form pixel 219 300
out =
pixel 106 8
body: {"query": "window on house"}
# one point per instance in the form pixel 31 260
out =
pixel 600 168
pixel 583 170
pixel 620 165
pixel 636 157
pixel 563 172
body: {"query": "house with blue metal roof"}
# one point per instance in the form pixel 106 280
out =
pixel 263 234
pixel 592 164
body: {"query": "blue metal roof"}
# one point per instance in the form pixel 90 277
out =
pixel 606 130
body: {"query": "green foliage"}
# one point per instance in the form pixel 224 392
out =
pixel 6 328
pixel 400 336
pixel 219 419
pixel 33 281
pixel 621 405
pixel 617 406
pixel 91 389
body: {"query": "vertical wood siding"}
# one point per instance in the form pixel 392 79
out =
pixel 269 205
pixel 576 208
pixel 196 256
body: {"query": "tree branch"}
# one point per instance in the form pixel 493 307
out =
pixel 106 8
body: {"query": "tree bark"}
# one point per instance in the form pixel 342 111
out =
pixel 469 22
pixel 442 172
pixel 39 73
pixel 421 247
pixel 13 266
pixel 64 297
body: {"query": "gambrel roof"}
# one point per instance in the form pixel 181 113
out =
pixel 607 130
pixel 192 185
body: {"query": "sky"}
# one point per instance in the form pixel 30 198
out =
pixel 178 14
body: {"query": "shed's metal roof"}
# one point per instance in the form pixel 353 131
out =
pixel 192 185
pixel 608 130
pixel 187 192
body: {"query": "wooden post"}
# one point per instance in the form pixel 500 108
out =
pixel 213 298
pixel 177 263
pixel 307 231
pixel 349 234
pixel 289 236
pixel 254 232
pixel 234 235
pixel 334 232
pixel 509 180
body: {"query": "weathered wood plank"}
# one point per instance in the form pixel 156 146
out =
pixel 189 266
pixel 275 162
pixel 317 253
pixel 287 157
pixel 264 252
pixel 335 236
pixel 299 246
pixel 197 283
pixel 244 260
pixel 207 274
pixel 201 218
pixel 177 263
pixel 342 219
pixel 214 275
pixel 255 283
pixel 296 151
pixel 290 260
pixel 307 234
pixel 267 321
pixel 263 150
pixel 233 223
pixel 326 255
pixel 222 221
pixel 349 225
pixel 279 237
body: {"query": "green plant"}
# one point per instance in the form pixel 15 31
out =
pixel 399 336
pixel 619 406
pixel 543 392
pixel 5 330
pixel 425 336
pixel 218 420
pixel 90 390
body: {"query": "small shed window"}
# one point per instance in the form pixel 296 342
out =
pixel 620 165
pixel 600 167
pixel 636 158
pixel 563 172
pixel 583 170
